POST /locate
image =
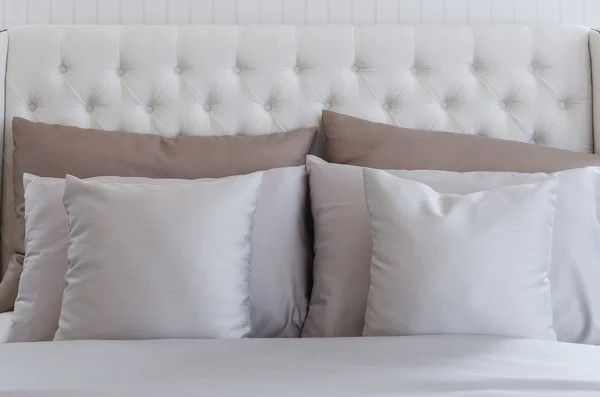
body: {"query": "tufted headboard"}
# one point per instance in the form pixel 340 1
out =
pixel 531 84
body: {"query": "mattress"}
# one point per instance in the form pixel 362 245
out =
pixel 406 366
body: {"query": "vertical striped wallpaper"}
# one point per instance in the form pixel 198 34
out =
pixel 20 12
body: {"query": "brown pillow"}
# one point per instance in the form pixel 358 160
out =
pixel 55 150
pixel 10 283
pixel 353 141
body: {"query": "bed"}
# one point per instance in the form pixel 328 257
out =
pixel 524 83
pixel 423 366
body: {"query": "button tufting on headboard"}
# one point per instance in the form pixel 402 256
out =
pixel 391 74
pixel 228 80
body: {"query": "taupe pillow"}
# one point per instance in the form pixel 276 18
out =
pixel 55 151
pixel 10 283
pixel 353 141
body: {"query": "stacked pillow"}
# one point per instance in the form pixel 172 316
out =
pixel 415 232
pixel 280 254
pixel 354 253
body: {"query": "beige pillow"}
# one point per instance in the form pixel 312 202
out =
pixel 54 151
pixel 353 141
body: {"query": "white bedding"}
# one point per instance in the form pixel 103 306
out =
pixel 408 366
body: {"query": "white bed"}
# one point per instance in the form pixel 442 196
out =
pixel 410 366
pixel 532 84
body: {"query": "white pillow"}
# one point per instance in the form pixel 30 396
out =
pixel 281 255
pixel 156 262
pixel 343 244
pixel 452 264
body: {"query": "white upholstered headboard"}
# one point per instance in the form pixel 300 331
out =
pixel 531 84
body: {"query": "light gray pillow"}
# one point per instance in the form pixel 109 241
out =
pixel 159 261
pixel 459 264
pixel 343 245
pixel 281 255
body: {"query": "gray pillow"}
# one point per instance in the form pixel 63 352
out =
pixel 159 261
pixel 459 264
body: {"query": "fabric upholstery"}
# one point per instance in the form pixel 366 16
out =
pixel 595 59
pixel 148 262
pixel 530 84
pixel 454 264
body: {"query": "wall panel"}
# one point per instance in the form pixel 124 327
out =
pixel 19 12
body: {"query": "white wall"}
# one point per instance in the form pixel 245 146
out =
pixel 18 12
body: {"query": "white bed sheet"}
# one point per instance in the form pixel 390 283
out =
pixel 409 366
pixel 5 323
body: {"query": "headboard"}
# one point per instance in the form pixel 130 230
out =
pixel 531 84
